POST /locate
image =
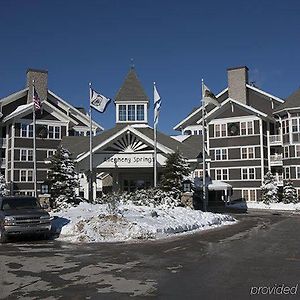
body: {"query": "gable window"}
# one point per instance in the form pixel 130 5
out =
pixel 140 114
pixel 53 132
pixel 122 112
pixel 56 132
pixel 131 112
pixel 50 132
pixel 223 127
pixel 250 127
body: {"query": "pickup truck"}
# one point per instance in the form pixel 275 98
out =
pixel 20 215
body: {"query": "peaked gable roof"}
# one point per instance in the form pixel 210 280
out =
pixel 132 89
pixel 293 101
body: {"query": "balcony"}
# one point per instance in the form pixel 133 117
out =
pixel 276 160
pixel 275 140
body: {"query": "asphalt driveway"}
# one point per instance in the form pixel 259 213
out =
pixel 233 262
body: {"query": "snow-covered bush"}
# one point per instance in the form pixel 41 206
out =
pixel 150 197
pixel 62 177
pixel 174 172
pixel 3 186
pixel 269 189
pixel 289 193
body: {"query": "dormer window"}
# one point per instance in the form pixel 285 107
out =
pixel 131 112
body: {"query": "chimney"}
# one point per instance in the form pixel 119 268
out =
pixel 237 80
pixel 40 78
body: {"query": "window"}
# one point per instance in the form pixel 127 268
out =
pixel 51 132
pixel 30 155
pixel 287 173
pixel 50 153
pixel 23 154
pixel 22 175
pixel 295 125
pixel 287 129
pixel 251 173
pixel 29 175
pixel 250 127
pixel 251 152
pixel 122 112
pixel 286 151
pixel 297 150
pixel 244 173
pixel 221 174
pixel 243 128
pixel 30 130
pixel 57 132
pixel 244 154
pixel 131 112
pixel 140 115
pixel 198 173
pixel 217 130
pixel 220 154
pixel 44 189
pixel 218 174
pixel 223 127
pixel 249 195
pixel 298 172
pixel 23 130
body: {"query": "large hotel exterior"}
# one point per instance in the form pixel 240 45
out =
pixel 251 133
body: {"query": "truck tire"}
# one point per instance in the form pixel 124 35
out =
pixel 3 237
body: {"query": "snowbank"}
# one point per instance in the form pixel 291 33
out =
pixel 274 206
pixel 94 222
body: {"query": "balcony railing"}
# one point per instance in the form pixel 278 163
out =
pixel 276 160
pixel 275 139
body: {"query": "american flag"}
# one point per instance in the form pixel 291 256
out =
pixel 36 100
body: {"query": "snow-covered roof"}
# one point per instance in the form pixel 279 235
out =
pixel 217 185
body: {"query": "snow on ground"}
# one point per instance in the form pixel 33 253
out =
pixel 96 223
pixel 275 206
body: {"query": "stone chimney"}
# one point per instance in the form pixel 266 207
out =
pixel 237 80
pixel 40 78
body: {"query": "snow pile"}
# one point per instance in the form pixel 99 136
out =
pixel 95 222
pixel 274 206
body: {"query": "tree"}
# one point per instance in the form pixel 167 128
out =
pixel 3 186
pixel 269 189
pixel 289 193
pixel 174 172
pixel 62 177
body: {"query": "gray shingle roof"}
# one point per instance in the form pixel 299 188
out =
pixel 80 144
pixel 291 102
pixel 131 90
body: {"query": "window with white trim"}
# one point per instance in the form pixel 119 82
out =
pixel 122 112
pixel 287 172
pixel 50 153
pixel 54 132
pixel 198 173
pixel 221 174
pixel 131 112
pixel 295 126
pixel 247 153
pixel 224 129
pixel 217 130
pixel 243 128
pixel 221 154
pixel 298 172
pixel 140 113
pixel 29 175
pixel 26 155
pixel 250 127
pixel 23 175
pixel 249 195
pixel 248 173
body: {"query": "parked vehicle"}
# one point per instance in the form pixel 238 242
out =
pixel 20 215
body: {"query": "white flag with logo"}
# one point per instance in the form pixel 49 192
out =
pixel 157 104
pixel 209 97
pixel 98 101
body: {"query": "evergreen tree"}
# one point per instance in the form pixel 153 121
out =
pixel 289 192
pixel 174 172
pixel 269 189
pixel 3 186
pixel 62 177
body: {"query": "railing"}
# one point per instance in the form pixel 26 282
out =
pixel 276 158
pixel 275 139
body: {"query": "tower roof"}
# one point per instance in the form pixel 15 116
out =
pixel 131 90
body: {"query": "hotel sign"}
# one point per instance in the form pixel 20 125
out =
pixel 126 160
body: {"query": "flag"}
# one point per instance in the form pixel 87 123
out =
pixel 209 97
pixel 36 100
pixel 98 101
pixel 157 104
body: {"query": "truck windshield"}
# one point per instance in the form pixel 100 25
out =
pixel 20 203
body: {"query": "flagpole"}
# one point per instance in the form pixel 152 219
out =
pixel 155 145
pixel 91 192
pixel 34 143
pixel 203 150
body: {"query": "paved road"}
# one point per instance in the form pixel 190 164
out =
pixel 262 250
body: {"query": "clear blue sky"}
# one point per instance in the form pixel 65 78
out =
pixel 175 43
